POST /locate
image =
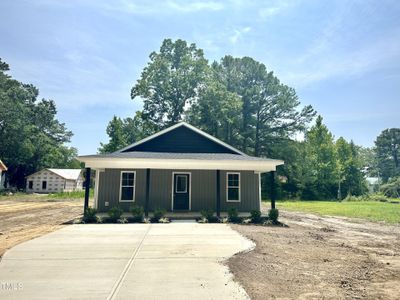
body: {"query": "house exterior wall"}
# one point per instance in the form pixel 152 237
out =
pixel 203 190
pixel 55 183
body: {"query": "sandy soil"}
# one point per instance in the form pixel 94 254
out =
pixel 320 258
pixel 25 218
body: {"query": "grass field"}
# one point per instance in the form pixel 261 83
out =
pixel 370 210
pixel 55 196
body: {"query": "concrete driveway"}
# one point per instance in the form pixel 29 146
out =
pixel 124 261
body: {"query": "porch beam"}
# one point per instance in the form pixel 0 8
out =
pixel 146 209
pixel 273 192
pixel 218 193
pixel 87 190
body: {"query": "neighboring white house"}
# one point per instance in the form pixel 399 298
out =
pixel 54 181
pixel 3 168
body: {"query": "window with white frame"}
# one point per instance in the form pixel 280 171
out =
pixel 233 187
pixel 181 184
pixel 127 189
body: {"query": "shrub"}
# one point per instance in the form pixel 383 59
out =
pixel 378 197
pixel 255 216
pixel 90 215
pixel 137 213
pixel 208 215
pixel 391 188
pixel 157 215
pixel 115 213
pixel 233 215
pixel 273 215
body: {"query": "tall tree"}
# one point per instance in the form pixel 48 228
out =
pixel 270 110
pixel 123 132
pixel 388 153
pixel 350 177
pixel 32 137
pixel 216 111
pixel 170 82
pixel 321 166
pixel 116 134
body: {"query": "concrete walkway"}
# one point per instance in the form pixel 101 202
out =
pixel 124 261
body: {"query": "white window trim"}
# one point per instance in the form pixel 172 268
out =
pixel 134 186
pixel 227 186
pixel 173 187
pixel 176 183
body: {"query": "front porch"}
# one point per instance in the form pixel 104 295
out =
pixel 153 190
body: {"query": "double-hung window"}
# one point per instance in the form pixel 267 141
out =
pixel 127 186
pixel 233 187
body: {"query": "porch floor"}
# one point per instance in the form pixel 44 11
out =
pixel 187 215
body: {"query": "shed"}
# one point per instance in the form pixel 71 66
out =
pixel 54 181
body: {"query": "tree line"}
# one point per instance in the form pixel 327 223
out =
pixel 237 100
pixel 31 138
pixel 241 102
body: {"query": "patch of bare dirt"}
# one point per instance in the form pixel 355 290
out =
pixel 22 219
pixel 320 258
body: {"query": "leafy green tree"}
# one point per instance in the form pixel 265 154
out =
pixel 321 163
pixel 116 134
pixel 388 153
pixel 216 111
pixel 351 179
pixel 368 161
pixel 32 138
pixel 270 110
pixel 170 82
pixel 123 132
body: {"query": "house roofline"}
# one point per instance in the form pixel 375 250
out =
pixel 206 135
pixel 180 164
pixel 49 169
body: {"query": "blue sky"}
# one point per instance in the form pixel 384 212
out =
pixel 342 57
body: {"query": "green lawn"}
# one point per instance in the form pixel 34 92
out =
pixel 370 210
pixel 28 196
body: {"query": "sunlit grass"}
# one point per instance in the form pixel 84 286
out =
pixel 370 210
pixel 70 195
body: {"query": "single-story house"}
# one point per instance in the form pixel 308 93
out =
pixel 3 169
pixel 55 181
pixel 179 169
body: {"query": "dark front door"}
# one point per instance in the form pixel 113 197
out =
pixel 181 191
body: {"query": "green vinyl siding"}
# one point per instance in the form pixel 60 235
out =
pixel 203 189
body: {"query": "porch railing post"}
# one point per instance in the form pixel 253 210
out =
pixel 87 190
pixel 146 209
pixel 218 193
pixel 273 192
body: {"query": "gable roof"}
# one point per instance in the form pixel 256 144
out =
pixel 180 147
pixel 69 174
pixel 2 166
pixel 148 144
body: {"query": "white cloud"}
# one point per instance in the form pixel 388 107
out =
pixel 162 7
pixel 325 62
pixel 238 33
pixel 274 9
